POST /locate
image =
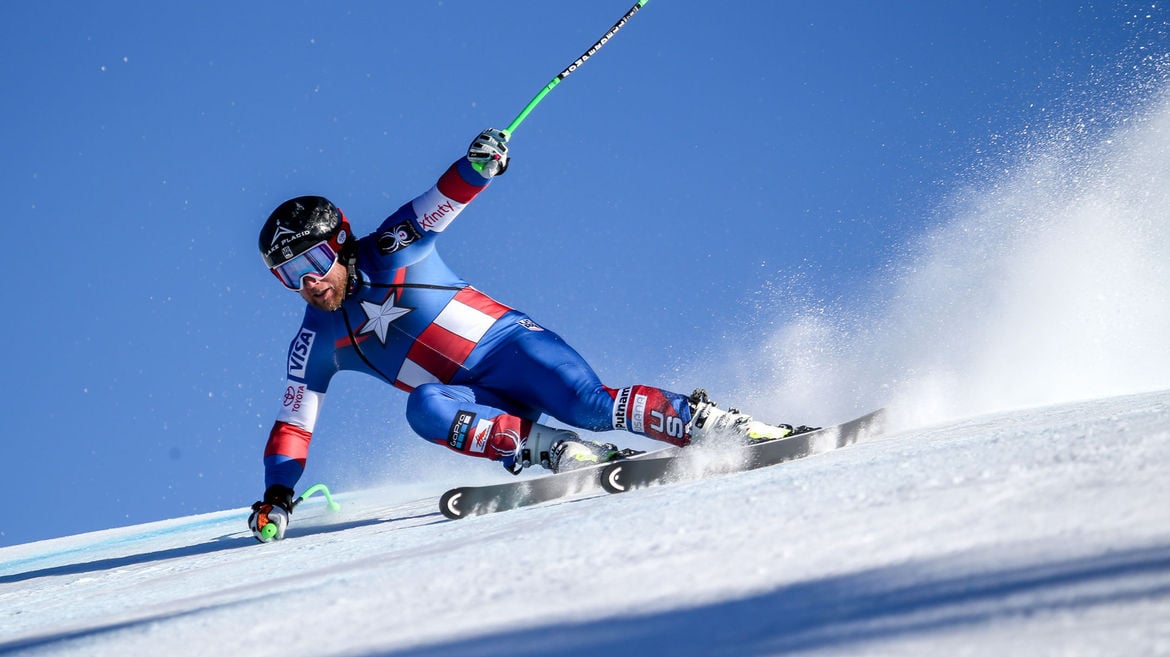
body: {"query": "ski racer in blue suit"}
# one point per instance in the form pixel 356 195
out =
pixel 479 374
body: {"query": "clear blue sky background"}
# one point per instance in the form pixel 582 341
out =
pixel 710 153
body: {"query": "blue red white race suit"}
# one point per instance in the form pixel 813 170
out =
pixel 478 372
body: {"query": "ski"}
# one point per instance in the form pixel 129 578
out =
pixel 467 501
pixel 621 476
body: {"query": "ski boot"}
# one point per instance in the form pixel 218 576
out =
pixel 561 450
pixel 573 453
pixel 536 448
pixel 712 424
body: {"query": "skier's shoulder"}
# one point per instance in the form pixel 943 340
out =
pixel 397 232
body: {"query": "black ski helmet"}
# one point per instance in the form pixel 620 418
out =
pixel 298 225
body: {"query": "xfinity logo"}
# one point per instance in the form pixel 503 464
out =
pixel 298 353
pixel 433 220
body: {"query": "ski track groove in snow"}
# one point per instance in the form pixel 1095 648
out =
pixel 1035 532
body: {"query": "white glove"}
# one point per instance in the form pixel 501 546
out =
pixel 267 522
pixel 269 517
pixel 489 153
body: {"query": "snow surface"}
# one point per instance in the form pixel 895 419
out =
pixel 1034 532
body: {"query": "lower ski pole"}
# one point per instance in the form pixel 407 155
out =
pixel 324 490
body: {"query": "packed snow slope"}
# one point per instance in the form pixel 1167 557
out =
pixel 1036 532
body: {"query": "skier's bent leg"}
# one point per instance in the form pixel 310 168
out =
pixel 454 416
pixel 652 412
pixel 543 370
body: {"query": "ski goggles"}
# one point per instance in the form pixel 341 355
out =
pixel 315 262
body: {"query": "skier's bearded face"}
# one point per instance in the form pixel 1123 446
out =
pixel 326 292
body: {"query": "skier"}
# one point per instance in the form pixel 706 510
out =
pixel 479 374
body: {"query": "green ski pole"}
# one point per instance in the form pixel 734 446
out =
pixel 572 67
pixel 324 490
pixel 269 530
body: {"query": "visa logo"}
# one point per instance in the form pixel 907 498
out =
pixel 298 353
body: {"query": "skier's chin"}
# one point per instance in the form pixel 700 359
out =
pixel 329 300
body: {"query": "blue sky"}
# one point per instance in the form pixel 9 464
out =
pixel 710 155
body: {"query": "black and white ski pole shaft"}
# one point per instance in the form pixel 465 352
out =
pixel 572 67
